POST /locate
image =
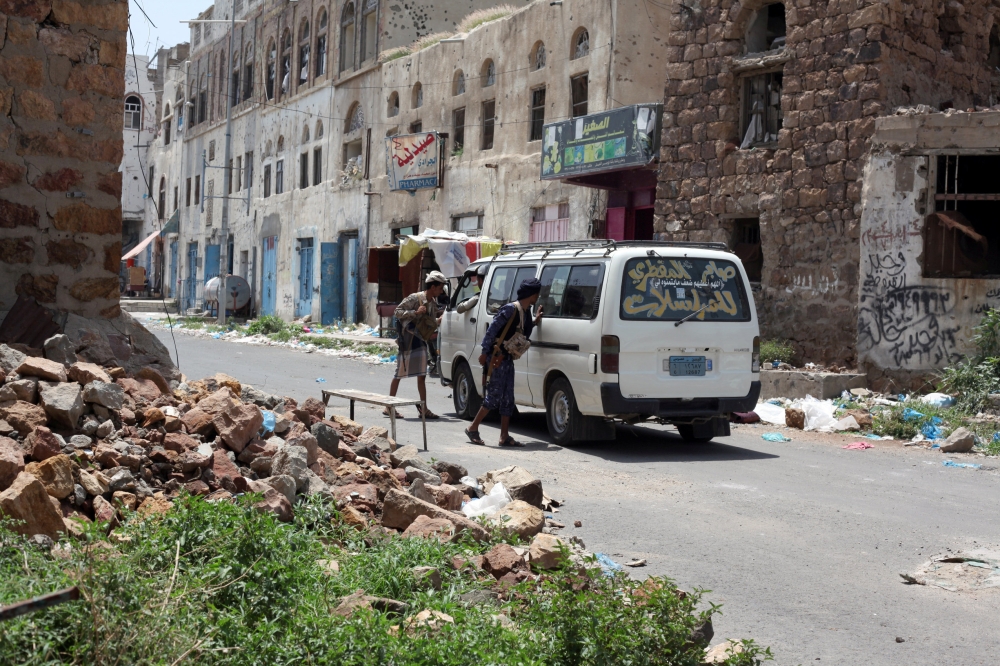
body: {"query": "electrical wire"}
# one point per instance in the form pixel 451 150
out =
pixel 159 215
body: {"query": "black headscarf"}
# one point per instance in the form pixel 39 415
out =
pixel 529 287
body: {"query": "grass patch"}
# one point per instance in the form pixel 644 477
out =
pixel 246 589
pixel 977 375
pixel 483 16
pixel 193 323
pixel 428 41
pixel 776 350
pixel 266 325
pixel 394 54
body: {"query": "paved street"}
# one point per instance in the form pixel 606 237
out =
pixel 801 542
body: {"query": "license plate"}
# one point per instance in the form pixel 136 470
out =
pixel 686 366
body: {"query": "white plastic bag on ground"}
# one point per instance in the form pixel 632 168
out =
pixel 847 423
pixel 819 414
pixel 497 499
pixel 769 413
pixel 938 399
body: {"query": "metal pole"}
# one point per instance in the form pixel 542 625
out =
pixel 226 180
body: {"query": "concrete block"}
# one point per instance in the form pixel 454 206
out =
pixel 798 384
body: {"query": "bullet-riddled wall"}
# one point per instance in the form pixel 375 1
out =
pixel 61 114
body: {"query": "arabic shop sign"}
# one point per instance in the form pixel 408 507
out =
pixel 620 138
pixel 414 161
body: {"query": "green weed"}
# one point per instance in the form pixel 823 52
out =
pixel 266 325
pixel 776 350
pixel 482 16
pixel 977 375
pixel 193 323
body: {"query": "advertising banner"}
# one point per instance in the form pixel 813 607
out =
pixel 620 138
pixel 414 161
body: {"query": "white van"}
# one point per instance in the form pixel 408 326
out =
pixel 631 331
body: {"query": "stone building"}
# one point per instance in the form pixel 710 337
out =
pixel 62 75
pixel 320 84
pixel 769 113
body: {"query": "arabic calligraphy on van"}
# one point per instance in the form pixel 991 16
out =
pixel 671 289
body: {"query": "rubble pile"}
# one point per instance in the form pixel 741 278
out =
pixel 81 442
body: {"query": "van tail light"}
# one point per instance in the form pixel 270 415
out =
pixel 755 357
pixel 610 347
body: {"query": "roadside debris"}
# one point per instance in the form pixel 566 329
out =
pixel 958 572
pixel 859 446
pixel 775 437
pixel 636 563
pixel 952 463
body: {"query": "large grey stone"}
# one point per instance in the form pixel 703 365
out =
pixel 20 389
pixel 960 441
pixel 314 485
pixel 284 484
pixel 404 453
pixel 122 480
pixel 413 473
pixel 10 359
pixel 291 460
pixel 80 442
pixel 63 404
pixel 104 394
pixel 105 429
pixel 519 482
pixel 121 341
pixel 400 509
pixel 327 437
pixel 58 348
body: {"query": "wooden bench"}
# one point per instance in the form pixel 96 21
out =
pixel 387 401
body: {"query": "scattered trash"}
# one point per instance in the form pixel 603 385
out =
pixel 216 335
pixel 819 414
pixel 910 414
pixel 320 380
pixel 636 563
pixel 858 446
pixel 608 565
pixel 847 423
pixel 775 437
pixel 269 420
pixel 959 571
pixel 769 412
pixel 496 500
pixel 471 482
pixel 744 417
pixel 932 429
pixel 952 463
pixel 938 400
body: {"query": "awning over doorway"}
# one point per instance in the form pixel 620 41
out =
pixel 141 246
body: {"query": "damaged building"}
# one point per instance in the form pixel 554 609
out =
pixel 770 112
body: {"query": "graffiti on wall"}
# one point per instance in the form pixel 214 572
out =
pixel 908 322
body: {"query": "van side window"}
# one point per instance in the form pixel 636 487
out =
pixel 467 288
pixel 504 284
pixel 571 291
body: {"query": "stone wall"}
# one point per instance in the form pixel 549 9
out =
pixel 61 95
pixel 845 63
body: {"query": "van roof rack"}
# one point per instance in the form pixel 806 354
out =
pixel 606 244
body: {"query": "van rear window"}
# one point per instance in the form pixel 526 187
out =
pixel 668 289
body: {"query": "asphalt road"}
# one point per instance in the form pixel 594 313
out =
pixel 801 542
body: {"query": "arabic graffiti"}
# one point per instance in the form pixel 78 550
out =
pixel 908 325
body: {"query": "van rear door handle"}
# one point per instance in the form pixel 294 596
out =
pixel 472 321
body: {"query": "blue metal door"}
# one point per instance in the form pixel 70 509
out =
pixel 350 258
pixel 269 276
pixel 172 286
pixel 331 302
pixel 211 261
pixel 304 305
pixel 192 279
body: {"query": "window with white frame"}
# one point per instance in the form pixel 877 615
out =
pixel 470 224
pixel 550 223
pixel 133 112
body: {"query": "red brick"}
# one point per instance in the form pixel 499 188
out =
pixel 10 173
pixel 17 250
pixel 58 181
pixel 93 288
pixel 41 287
pixel 23 70
pixel 36 10
pixel 111 183
pixel 82 218
pixel 13 215
pixel 106 81
pixel 68 252
pixel 77 111
pixel 36 106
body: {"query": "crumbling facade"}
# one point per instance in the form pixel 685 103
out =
pixel 769 112
pixel 61 93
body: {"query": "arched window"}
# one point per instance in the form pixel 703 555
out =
pixel 347 38
pixel 220 87
pixel 319 129
pixel 179 111
pixel 203 99
pixel 458 83
pixel 234 91
pixel 304 52
pixel 369 32
pixel 281 144
pixel 417 96
pixel 489 73
pixel 321 32
pixel 305 134
pixel 162 199
pixel 269 84
pixel 133 112
pixel 538 56
pixel 268 147
pixel 286 61
pixel 393 109
pixel 581 44
pixel 167 123
pixel 355 119
pixel 248 72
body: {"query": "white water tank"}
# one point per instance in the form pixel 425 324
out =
pixel 238 292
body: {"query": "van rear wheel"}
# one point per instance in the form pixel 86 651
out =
pixel 464 394
pixel 561 414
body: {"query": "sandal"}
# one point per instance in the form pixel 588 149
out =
pixel 385 412
pixel 426 413
pixel 510 442
pixel 474 437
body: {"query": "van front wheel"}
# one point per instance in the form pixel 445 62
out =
pixel 561 414
pixel 464 393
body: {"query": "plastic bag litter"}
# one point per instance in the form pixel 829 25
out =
pixel 775 437
pixel 216 335
pixel 469 481
pixel 770 413
pixel 858 446
pixel 495 500
pixel 932 430
pixel 952 463
pixel 269 420
pixel 608 565
pixel 938 399
pixel 847 423
pixel 911 414
pixel 320 380
pixel 819 414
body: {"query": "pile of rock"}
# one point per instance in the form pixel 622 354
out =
pixel 81 442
